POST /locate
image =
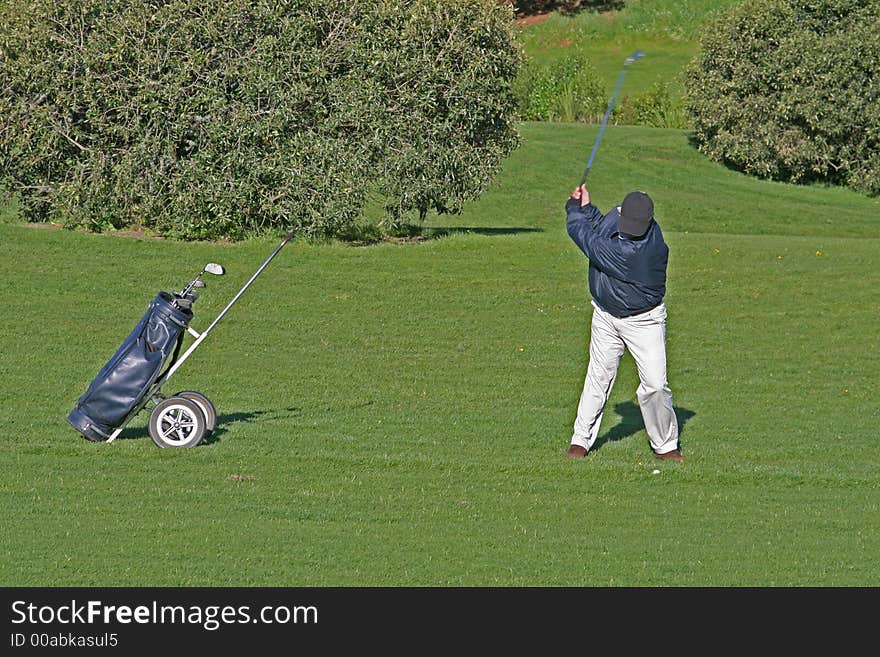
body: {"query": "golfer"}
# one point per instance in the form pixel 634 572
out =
pixel 627 280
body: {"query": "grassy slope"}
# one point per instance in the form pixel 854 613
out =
pixel 398 414
pixel 666 30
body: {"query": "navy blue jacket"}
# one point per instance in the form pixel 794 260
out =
pixel 627 275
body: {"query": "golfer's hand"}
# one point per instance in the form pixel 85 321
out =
pixel 582 194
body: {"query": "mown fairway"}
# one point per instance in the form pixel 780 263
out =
pixel 398 414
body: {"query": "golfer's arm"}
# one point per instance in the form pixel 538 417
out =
pixel 588 212
pixel 605 253
pixel 581 222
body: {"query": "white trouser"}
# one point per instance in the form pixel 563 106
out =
pixel 645 337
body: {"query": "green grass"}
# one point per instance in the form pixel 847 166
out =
pixel 667 30
pixel 398 414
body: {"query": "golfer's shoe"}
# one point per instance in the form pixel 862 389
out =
pixel 576 452
pixel 674 455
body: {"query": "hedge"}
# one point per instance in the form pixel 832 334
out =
pixel 790 90
pixel 224 118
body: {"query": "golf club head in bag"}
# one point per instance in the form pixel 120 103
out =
pixel 638 54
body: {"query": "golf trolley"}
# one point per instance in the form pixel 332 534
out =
pixel 133 378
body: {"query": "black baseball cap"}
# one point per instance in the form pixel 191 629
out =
pixel 636 213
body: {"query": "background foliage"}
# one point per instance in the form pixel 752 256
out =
pixel 603 34
pixel 443 74
pixel 566 88
pixel 790 90
pixel 226 118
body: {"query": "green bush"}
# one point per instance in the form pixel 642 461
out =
pixel 566 88
pixel 790 90
pixel 655 107
pixel 223 118
pixel 444 71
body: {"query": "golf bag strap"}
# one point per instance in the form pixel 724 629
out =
pixel 174 356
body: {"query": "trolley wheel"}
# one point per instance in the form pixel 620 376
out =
pixel 206 406
pixel 177 422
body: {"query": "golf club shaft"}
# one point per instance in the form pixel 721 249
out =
pixel 192 284
pixel 251 280
pixel 204 333
pixel 610 107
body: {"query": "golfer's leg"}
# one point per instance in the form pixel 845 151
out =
pixel 645 337
pixel 606 348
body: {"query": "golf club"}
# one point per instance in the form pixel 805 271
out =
pixel 218 270
pixel 638 54
pixel 210 268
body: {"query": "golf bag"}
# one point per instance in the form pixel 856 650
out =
pixel 126 378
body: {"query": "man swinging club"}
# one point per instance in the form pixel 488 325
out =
pixel 627 280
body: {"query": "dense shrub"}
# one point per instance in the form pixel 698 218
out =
pixel 443 72
pixel 656 107
pixel 790 90
pixel 220 118
pixel 566 88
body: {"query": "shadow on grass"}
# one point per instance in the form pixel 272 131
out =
pixel 412 233
pixel 631 422
pixel 524 8
pixel 443 231
pixel 220 425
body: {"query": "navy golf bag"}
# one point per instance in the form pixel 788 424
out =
pixel 125 380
